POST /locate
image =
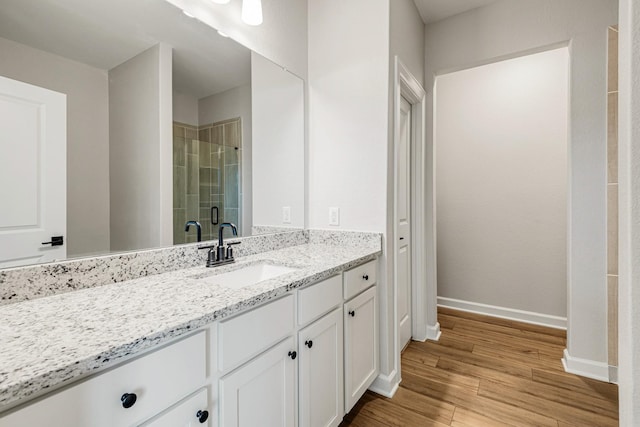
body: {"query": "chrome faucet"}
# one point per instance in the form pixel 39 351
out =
pixel 221 255
pixel 198 227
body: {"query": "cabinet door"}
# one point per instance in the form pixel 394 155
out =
pixel 262 392
pixel 191 412
pixel 360 345
pixel 321 372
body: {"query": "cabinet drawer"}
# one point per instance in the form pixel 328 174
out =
pixel 360 278
pixel 242 337
pixel 158 380
pixel 192 411
pixel 318 299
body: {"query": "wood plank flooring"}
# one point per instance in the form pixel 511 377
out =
pixel 489 372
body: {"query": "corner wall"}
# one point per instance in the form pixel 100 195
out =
pixel 629 226
pixel 509 28
pixel 140 109
pixel 348 88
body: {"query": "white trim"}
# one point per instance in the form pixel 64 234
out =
pixel 386 385
pixel 585 368
pixel 407 86
pixel 613 374
pixel 433 332
pixel 505 313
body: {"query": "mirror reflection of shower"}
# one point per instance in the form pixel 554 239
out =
pixel 207 170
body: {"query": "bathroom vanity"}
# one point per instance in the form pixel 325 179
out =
pixel 183 348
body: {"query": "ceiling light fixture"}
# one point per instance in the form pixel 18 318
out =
pixel 252 12
pixel 221 1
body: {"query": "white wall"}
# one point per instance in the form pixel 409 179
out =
pixel 348 90
pixel 87 138
pixel 185 108
pixel 282 37
pixel 140 151
pixel 278 144
pixel 501 150
pixel 511 27
pixel 629 245
pixel 226 105
pixel 348 112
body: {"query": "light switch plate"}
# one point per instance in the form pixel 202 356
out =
pixel 286 215
pixel 334 216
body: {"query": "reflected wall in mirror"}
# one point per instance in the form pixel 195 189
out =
pixel 166 122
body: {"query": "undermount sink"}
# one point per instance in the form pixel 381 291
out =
pixel 249 275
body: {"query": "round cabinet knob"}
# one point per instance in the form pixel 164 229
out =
pixel 365 277
pixel 352 313
pixel 308 343
pixel 202 416
pixel 293 355
pixel 128 400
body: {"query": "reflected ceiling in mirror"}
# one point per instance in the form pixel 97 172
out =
pixel 161 121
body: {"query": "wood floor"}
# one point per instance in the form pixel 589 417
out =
pixel 489 372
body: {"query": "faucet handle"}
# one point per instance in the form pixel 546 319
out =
pixel 207 247
pixel 233 243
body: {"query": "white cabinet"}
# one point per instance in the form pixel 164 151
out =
pixel 321 372
pixel 360 278
pixel 262 392
pixel 124 396
pixel 244 336
pixel 360 345
pixel 190 412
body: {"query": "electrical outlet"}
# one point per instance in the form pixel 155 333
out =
pixel 334 216
pixel 286 215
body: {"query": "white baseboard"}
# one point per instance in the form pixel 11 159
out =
pixel 386 385
pixel 613 374
pixel 505 313
pixel 433 332
pixel 585 368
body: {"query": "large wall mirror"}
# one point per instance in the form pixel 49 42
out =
pixel 121 121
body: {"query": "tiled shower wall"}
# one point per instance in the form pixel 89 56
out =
pixel 206 174
pixel 612 197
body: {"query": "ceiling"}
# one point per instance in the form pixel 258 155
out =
pixel 104 34
pixel 435 10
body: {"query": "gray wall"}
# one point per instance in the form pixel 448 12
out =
pixel 501 150
pixel 87 138
pixel 140 144
pixel 511 27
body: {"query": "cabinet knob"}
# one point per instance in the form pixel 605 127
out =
pixel 202 416
pixel 293 355
pixel 352 313
pixel 365 277
pixel 308 343
pixel 128 400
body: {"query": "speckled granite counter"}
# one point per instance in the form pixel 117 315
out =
pixel 50 341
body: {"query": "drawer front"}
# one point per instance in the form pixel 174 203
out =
pixel 193 411
pixel 360 278
pixel 318 299
pixel 158 380
pixel 244 336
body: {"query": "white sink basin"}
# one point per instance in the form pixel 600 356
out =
pixel 249 275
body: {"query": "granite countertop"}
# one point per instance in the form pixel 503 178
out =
pixel 51 341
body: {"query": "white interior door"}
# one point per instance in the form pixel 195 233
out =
pixel 33 197
pixel 403 223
